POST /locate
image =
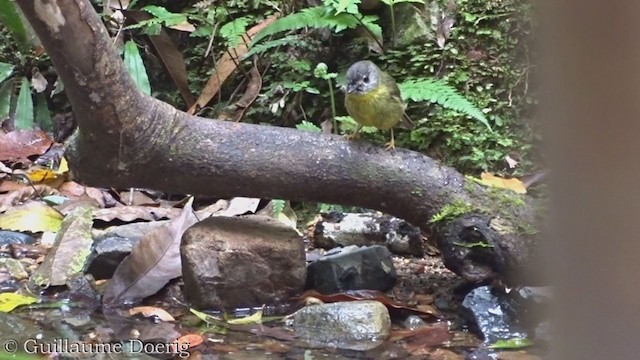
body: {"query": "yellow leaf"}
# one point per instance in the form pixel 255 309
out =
pixel 10 301
pixel 34 217
pixel 253 319
pixel 41 175
pixel 63 167
pixel 512 184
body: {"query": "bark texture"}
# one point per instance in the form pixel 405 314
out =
pixel 127 139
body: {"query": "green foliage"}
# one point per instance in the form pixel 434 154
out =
pixel 267 45
pixel 317 17
pixel 277 207
pixel 452 211
pixel 348 125
pixel 24 107
pixel 10 18
pixel 162 17
pixel 308 126
pixel 135 66
pixel 438 91
pixel 232 31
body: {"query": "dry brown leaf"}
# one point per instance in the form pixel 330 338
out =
pixel 151 311
pixel 496 181
pixel 18 145
pixel 226 65
pixel 24 194
pixel 131 213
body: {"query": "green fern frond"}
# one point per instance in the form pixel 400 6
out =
pixel 438 91
pixel 232 31
pixel 315 17
pixel 260 48
pixel 278 207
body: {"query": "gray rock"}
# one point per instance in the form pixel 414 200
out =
pixel 355 325
pixel 231 262
pixel 337 229
pixel 113 244
pixel 491 312
pixel 12 237
pixel 352 268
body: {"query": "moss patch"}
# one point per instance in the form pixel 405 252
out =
pixel 452 211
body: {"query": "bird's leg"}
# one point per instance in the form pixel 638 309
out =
pixel 355 133
pixel 391 145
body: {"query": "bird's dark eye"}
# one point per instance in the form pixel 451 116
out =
pixel 365 79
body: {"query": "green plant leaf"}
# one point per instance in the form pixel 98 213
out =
pixel 5 70
pixel 164 16
pixel 308 126
pixel 515 343
pixel 24 107
pixel 6 90
pixel 133 63
pixel 393 2
pixel 10 301
pixel 10 18
pixel 347 124
pixel 43 115
pixel 348 6
pixel 278 206
pixel 440 92
pixel 260 48
pixel 315 17
pixel 232 31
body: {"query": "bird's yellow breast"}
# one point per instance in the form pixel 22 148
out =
pixel 375 108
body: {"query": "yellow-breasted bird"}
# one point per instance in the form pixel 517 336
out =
pixel 373 99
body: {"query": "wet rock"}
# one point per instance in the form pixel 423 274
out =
pixel 11 237
pixel 81 290
pixel 337 229
pixel 230 262
pixel 107 254
pixel 491 312
pixel 352 268
pixel 413 322
pixel 113 244
pixel 412 24
pixel 355 325
pixel 13 268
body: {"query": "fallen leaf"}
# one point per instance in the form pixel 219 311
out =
pixel 151 311
pixel 226 65
pixel 70 250
pixel 131 213
pixel 18 145
pixel 422 337
pixel 10 301
pixel 153 261
pixel 189 341
pixel 240 206
pixel 32 217
pixel 515 343
pixel 512 184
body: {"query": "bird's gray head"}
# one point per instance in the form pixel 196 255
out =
pixel 362 77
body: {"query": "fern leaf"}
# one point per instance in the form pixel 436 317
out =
pixel 438 91
pixel 260 48
pixel 278 207
pixel 308 126
pixel 232 31
pixel 314 17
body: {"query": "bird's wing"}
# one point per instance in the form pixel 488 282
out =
pixel 394 91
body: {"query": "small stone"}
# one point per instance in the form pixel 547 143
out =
pixel 107 254
pixel 231 262
pixel 355 325
pixel 352 268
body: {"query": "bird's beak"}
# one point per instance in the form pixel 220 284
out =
pixel 351 88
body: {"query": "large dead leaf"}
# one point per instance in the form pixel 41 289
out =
pixel 153 261
pixel 422 337
pixel 20 144
pixel 24 194
pixel 32 217
pixel 236 111
pixel 227 64
pixel 70 250
pixel 131 213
